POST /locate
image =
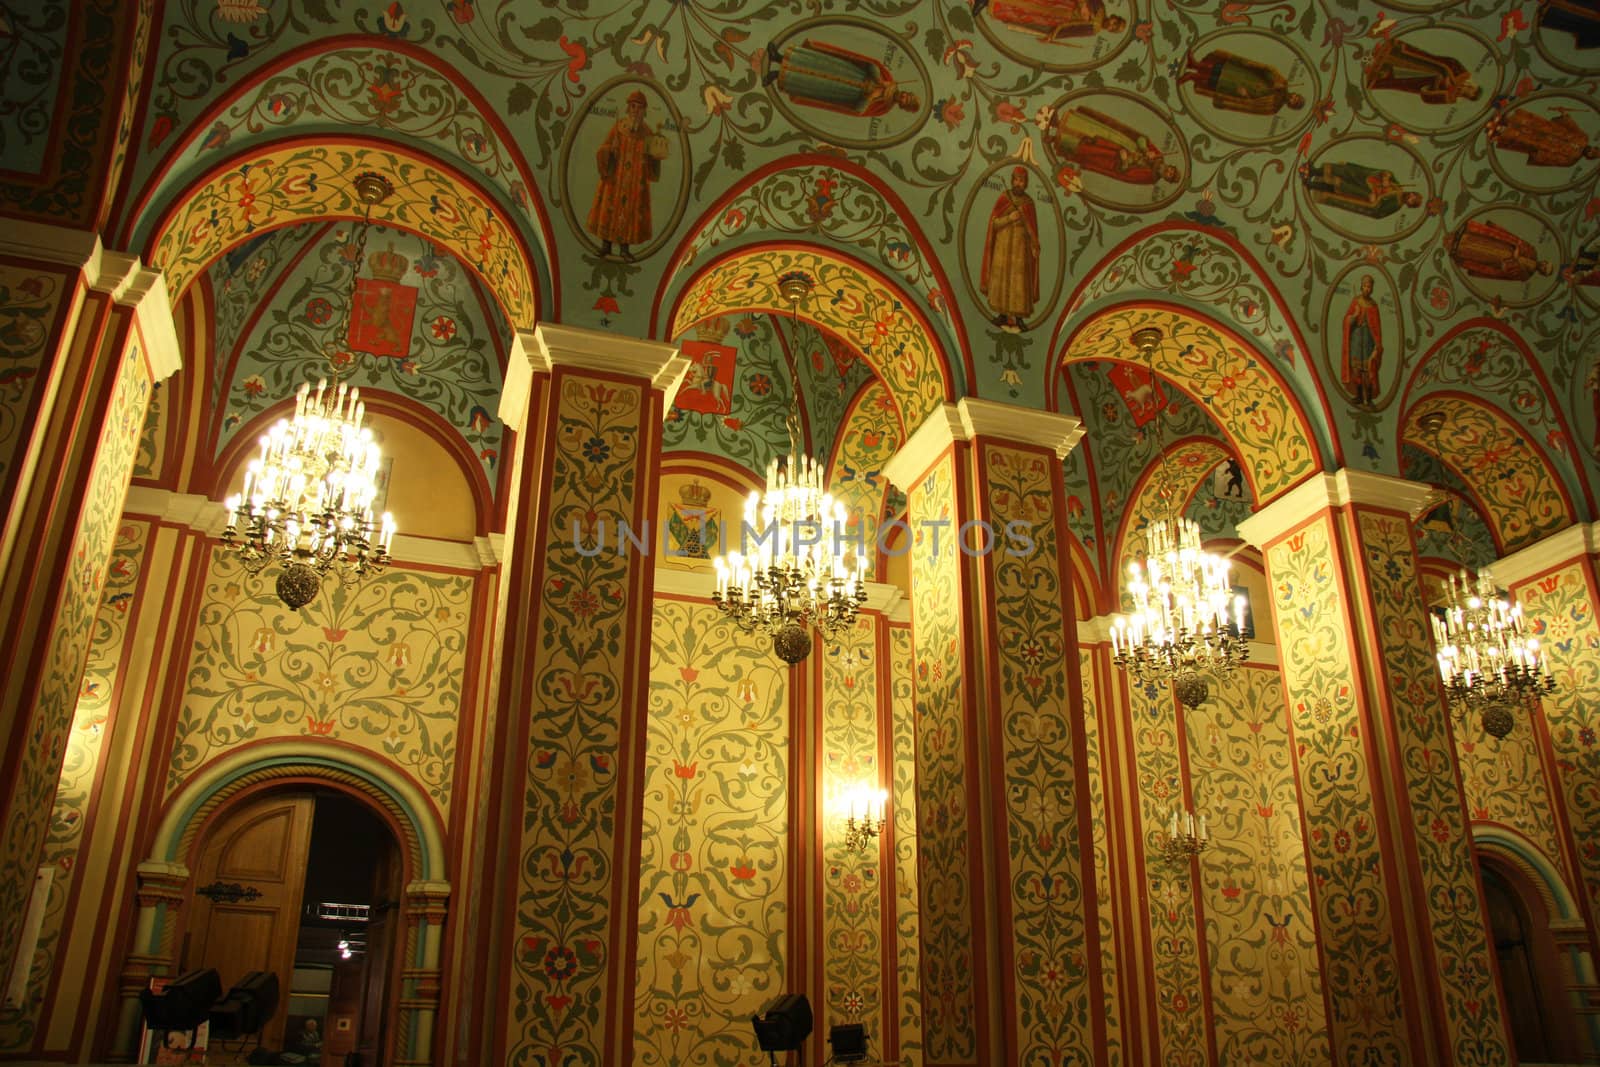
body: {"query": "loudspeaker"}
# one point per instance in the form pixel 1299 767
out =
pixel 849 1041
pixel 247 1007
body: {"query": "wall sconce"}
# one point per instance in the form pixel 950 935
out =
pixel 864 819
pixel 1186 837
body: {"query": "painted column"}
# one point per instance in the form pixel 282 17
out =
pixel 1557 581
pixel 160 895
pixel 571 726
pixel 1407 966
pixel 89 332
pixel 1010 935
pixel 427 907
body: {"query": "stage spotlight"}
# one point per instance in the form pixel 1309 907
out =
pixel 849 1041
pixel 785 1024
pixel 248 1007
pixel 184 1004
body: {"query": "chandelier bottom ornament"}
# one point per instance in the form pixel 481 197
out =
pixel 298 585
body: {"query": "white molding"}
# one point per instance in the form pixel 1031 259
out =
pixel 901 612
pixel 429 888
pixel 1559 548
pixel 883 598
pixel 927 443
pixel 433 552
pixel 1326 491
pixel 549 345
pixel 79 249
pixel 1097 631
pixel 1020 425
pixel 491 549
pixel 517 388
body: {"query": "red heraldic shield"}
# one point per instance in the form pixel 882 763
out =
pixel 1140 391
pixel 708 387
pixel 381 320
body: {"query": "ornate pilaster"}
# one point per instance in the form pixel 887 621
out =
pixel 160 895
pixel 96 335
pixel 1010 959
pixel 1408 970
pixel 571 726
pixel 427 904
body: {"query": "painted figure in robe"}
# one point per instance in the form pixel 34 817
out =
pixel 1490 251
pixel 628 161
pixel 1099 143
pixel 1581 18
pixel 1363 346
pixel 1054 20
pixel 1369 191
pixel 1235 83
pixel 1435 79
pixel 822 75
pixel 1546 142
pixel 1009 277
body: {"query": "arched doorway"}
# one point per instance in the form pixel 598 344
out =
pixel 304 883
pixel 1543 1025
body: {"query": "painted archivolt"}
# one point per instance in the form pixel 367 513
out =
pixel 567 884
pixel 735 399
pixel 1564 602
pixel 1519 491
pixel 80 759
pixel 378 666
pixel 1504 782
pixel 1266 982
pixel 1438 816
pixel 847 301
pixel 73 632
pixel 433 341
pixel 948 1011
pixel 29 304
pixel 367 86
pixel 713 913
pixel 276 187
pixel 903 810
pixel 1354 918
pixel 1053 989
pixel 867 441
pixel 1266 428
pixel 833 376
pixel 852 882
pixel 1094 761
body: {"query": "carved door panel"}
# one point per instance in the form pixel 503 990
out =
pixel 245 913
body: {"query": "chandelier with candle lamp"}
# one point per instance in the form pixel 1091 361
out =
pixel 1186 837
pixel 307 500
pixel 801 574
pixel 864 817
pixel 1488 656
pixel 1186 622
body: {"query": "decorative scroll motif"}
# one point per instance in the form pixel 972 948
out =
pixel 903 810
pixel 564 946
pixel 713 913
pixel 852 882
pixel 1105 903
pixel 857 306
pixel 29 304
pixel 379 665
pixel 1519 489
pixel 68 819
pixel 868 439
pixel 1266 980
pixel 72 634
pixel 311 181
pixel 1466 965
pixel 228 892
pixel 1242 394
pixel 1354 920
pixel 1564 602
pixel 948 1009
pixel 1505 783
pixel 1054 995
pixel 1179 957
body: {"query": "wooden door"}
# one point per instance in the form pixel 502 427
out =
pixel 248 881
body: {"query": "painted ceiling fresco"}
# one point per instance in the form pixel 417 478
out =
pixel 1372 206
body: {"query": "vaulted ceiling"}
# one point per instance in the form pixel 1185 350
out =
pixel 1242 175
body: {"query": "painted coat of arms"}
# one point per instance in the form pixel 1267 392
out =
pixel 694 529
pixel 708 386
pixel 383 310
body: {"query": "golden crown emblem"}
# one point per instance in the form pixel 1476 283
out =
pixel 712 331
pixel 695 495
pixel 388 266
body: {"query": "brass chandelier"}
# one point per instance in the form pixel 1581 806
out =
pixel 1186 623
pixel 306 503
pixel 800 577
pixel 1489 659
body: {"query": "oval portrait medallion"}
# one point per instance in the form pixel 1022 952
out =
pixel 1505 254
pixel 847 82
pixel 1432 78
pixel 1012 237
pixel 1248 86
pixel 1363 335
pixel 1368 189
pixel 1116 150
pixel 1065 35
pixel 1545 142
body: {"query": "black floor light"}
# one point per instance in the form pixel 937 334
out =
pixel 784 1026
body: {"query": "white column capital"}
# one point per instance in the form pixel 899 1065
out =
pixel 1324 491
pixel 971 418
pixel 123 276
pixel 549 345
pixel 1525 564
